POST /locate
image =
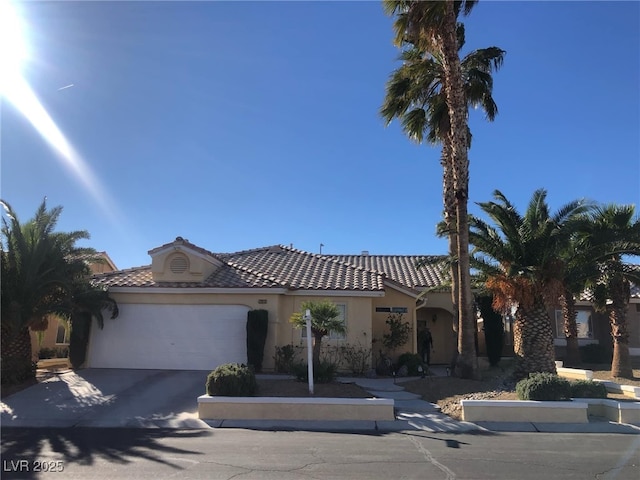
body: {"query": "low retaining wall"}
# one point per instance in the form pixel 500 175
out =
pixel 294 408
pixel 54 362
pixel 575 411
pixel 523 411
pixel 575 373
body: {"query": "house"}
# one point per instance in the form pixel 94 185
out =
pixel 188 308
pixel 56 335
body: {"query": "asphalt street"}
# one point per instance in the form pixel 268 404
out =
pixel 117 453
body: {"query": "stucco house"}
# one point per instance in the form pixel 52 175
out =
pixel 188 308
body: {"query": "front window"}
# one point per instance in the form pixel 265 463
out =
pixel 342 308
pixel 583 321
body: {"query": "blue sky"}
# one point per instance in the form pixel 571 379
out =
pixel 240 125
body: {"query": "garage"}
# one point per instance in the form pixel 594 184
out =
pixel 173 337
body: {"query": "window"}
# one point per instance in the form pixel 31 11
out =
pixel 391 310
pixel 342 308
pixel 62 334
pixel 583 320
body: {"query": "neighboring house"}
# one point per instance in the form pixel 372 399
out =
pixel 593 327
pixel 56 336
pixel 188 309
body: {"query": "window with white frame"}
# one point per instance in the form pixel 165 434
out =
pixel 583 321
pixel 342 308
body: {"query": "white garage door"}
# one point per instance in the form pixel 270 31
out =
pixel 175 337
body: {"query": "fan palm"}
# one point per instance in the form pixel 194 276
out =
pixel 520 260
pixel 325 318
pixel 614 231
pixel 431 94
pixel 40 270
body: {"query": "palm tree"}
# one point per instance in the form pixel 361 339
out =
pixel 324 319
pixel 614 231
pixel 432 27
pixel 520 260
pixel 39 270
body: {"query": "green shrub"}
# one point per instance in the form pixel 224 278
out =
pixel 595 353
pixel 543 386
pixel 588 389
pixel 356 358
pixel 232 380
pixel 412 361
pixel 399 332
pixel 257 327
pixel 286 358
pixel 324 372
pixel 58 352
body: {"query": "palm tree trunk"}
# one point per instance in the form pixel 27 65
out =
pixel 467 362
pixel 572 356
pixel 621 363
pixel 450 222
pixel 317 343
pixel 17 360
pixel 533 340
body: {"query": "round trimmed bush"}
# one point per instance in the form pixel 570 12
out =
pixel 412 361
pixel 588 389
pixel 232 380
pixel 543 386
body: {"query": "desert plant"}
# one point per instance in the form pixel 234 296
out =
pixel 257 327
pixel 356 358
pixel 595 353
pixel 412 361
pixel 543 386
pixel 588 389
pixel 232 380
pixel 399 332
pixel 323 372
pixel 285 358
pixel 325 318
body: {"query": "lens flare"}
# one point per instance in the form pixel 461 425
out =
pixel 15 89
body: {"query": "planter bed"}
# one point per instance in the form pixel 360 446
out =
pixel 294 408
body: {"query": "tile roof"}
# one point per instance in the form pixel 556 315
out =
pixel 401 268
pixel 268 267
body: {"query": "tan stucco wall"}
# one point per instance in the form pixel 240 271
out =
pixel 269 408
pixel 199 267
pixel 523 411
pixel 358 319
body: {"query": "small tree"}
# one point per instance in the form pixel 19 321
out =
pixel 324 319
pixel 399 332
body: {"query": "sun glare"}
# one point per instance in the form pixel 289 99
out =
pixel 14 88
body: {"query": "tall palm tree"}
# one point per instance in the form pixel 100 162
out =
pixel 614 230
pixel 431 26
pixel 520 259
pixel 325 318
pixel 40 269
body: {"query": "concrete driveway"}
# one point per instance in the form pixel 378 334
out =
pixel 109 398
